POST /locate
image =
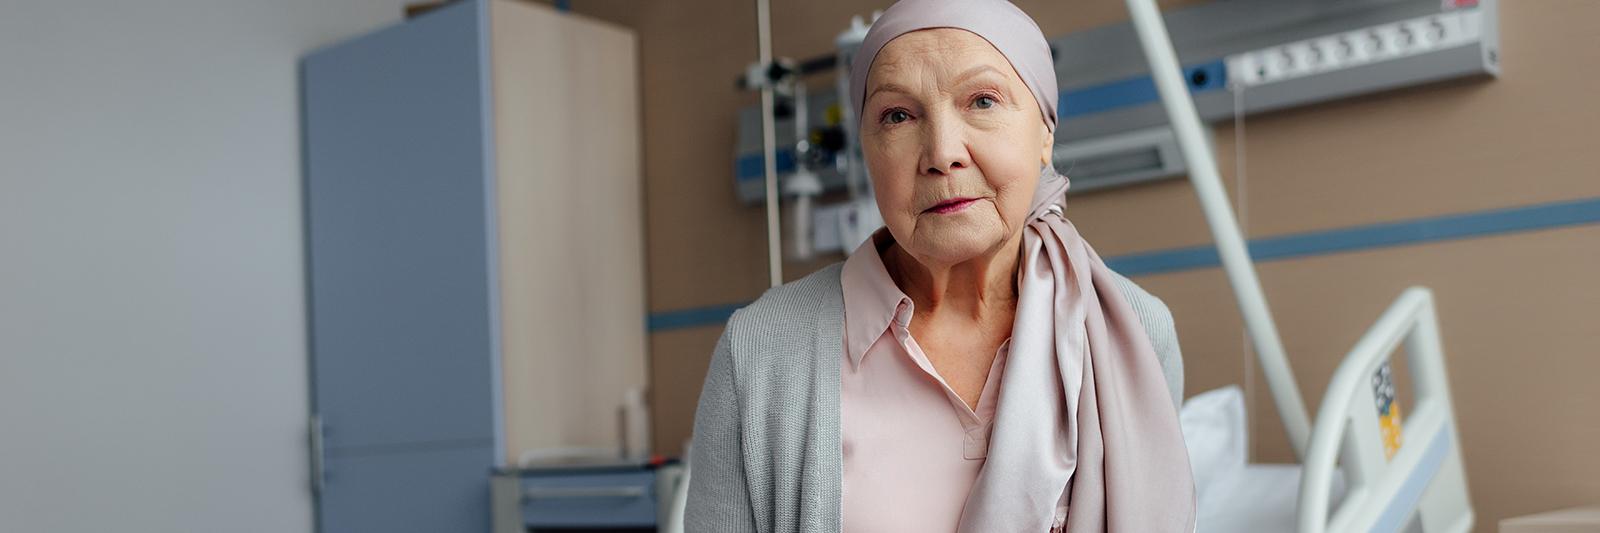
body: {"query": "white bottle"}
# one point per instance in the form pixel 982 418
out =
pixel 635 426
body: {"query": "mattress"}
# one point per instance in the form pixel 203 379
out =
pixel 1236 496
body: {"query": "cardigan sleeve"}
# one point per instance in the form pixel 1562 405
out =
pixel 719 496
pixel 1158 325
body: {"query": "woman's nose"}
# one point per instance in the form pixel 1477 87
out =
pixel 944 147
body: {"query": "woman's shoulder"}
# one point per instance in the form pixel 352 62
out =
pixel 818 293
pixel 774 344
pixel 1146 305
pixel 787 322
pixel 1160 329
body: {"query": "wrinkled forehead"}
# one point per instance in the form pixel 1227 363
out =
pixel 951 50
pixel 1007 32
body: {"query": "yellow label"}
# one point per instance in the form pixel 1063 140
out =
pixel 1389 424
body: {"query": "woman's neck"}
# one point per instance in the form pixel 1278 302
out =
pixel 976 289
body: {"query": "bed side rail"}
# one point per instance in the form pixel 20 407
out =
pixel 1422 485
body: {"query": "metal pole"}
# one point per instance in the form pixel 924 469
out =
pixel 1219 214
pixel 768 145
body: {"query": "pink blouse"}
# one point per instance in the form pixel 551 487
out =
pixel 912 447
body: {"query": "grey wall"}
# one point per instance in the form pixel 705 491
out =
pixel 152 336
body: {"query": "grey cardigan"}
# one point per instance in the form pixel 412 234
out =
pixel 766 454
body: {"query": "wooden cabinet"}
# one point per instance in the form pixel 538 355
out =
pixel 475 255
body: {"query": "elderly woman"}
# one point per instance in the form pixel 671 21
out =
pixel 972 367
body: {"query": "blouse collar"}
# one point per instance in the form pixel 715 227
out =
pixel 872 301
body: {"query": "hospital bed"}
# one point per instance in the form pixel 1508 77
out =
pixel 1353 476
pixel 1347 468
pixel 1362 468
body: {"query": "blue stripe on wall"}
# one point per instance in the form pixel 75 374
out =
pixel 1444 228
pixel 1417 231
pixel 1140 90
pixel 688 318
pixel 754 166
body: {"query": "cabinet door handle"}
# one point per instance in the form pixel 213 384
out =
pixel 317 467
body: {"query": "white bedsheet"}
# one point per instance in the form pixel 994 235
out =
pixel 1235 496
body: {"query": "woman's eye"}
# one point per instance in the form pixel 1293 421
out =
pixel 984 102
pixel 896 116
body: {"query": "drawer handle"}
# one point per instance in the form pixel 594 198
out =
pixel 555 493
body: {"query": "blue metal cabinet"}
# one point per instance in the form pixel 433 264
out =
pixel 398 217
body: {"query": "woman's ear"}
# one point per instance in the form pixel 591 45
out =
pixel 1047 152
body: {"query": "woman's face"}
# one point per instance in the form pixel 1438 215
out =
pixel 955 143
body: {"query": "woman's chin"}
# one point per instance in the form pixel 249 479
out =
pixel 954 243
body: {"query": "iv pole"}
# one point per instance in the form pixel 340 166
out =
pixel 1231 247
pixel 769 144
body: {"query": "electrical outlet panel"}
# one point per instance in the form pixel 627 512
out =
pixel 1349 49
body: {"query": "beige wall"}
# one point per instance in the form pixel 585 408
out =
pixel 1516 310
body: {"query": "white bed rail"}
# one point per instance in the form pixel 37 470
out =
pixel 1423 484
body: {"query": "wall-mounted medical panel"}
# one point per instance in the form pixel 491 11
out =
pixel 824 116
pixel 1252 56
pixel 1282 53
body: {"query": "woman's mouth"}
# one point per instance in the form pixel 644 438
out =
pixel 950 206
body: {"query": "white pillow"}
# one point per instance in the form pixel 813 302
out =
pixel 1214 430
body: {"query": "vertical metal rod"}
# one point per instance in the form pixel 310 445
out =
pixel 1219 215
pixel 769 145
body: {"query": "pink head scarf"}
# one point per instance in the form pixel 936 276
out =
pixel 1085 437
pixel 1010 30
